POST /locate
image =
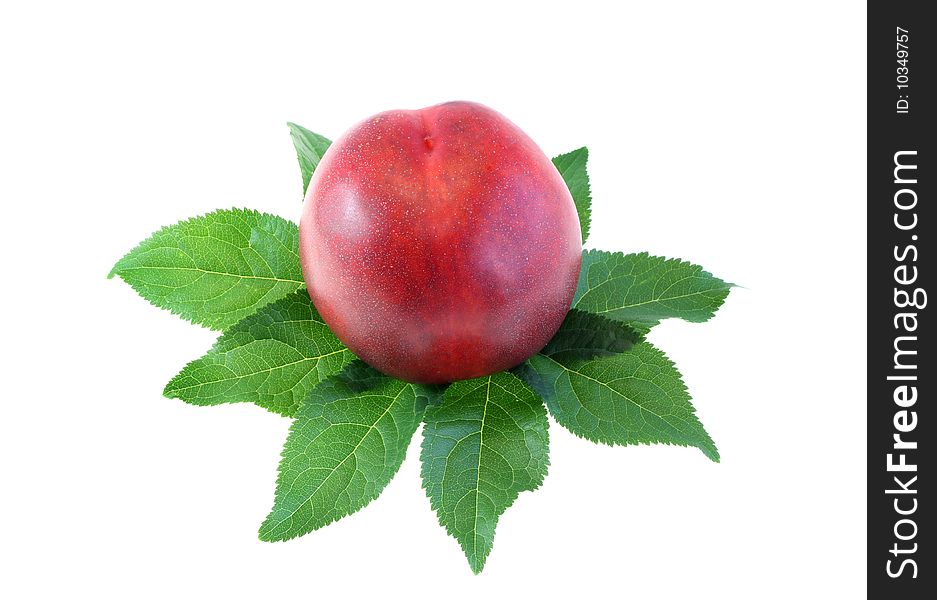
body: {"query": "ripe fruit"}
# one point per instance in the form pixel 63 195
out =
pixel 440 244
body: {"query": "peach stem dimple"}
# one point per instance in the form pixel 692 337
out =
pixel 427 138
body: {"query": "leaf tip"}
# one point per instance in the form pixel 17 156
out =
pixel 475 560
pixel 263 534
pixel 118 266
pixel 169 391
pixel 268 531
pixel 708 447
pixel 712 453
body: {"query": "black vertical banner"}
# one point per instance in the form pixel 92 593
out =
pixel 902 369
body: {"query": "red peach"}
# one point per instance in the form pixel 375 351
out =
pixel 440 244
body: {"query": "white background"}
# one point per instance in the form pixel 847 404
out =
pixel 730 134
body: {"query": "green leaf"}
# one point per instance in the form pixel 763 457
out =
pixel 216 269
pixel 572 166
pixel 485 443
pixel 272 358
pixel 347 442
pixel 640 290
pixel 309 150
pixel 587 335
pixel 633 397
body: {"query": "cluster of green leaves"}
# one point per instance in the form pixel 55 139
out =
pixel 484 440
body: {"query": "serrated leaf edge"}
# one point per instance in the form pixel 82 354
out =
pixel 601 439
pixel 367 499
pixel 474 564
pixel 702 272
pixel 115 270
pixel 585 228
